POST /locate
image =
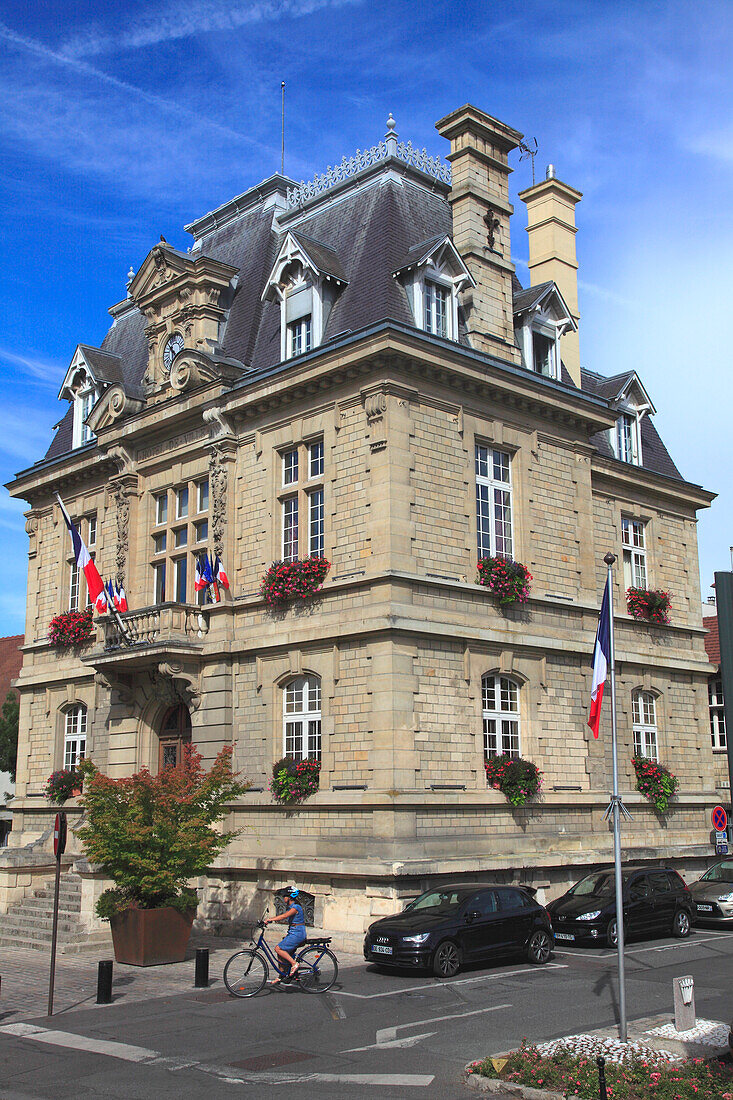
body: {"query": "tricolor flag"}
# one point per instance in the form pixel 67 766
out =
pixel 220 573
pixel 121 600
pixel 601 660
pixel 95 585
pixel 112 596
pixel 203 573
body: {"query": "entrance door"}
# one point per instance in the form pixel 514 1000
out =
pixel 175 731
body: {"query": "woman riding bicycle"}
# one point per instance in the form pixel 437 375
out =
pixel 296 932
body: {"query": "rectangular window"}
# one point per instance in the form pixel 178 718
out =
pixel 290 529
pixel 159 543
pixel 182 502
pixel 315 524
pixel 161 509
pixel 92 531
pixel 627 444
pixel 632 537
pixel 543 351
pixel 75 738
pixel 299 336
pixel 181 567
pixel 86 407
pixel 202 495
pixel 74 584
pixel 315 459
pixel 493 502
pixel 202 530
pixel 159 574
pixel 290 467
pixel 436 309
pixel 181 537
pixel 644 713
pixel 717 715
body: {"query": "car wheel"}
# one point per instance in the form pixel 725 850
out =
pixel 539 947
pixel 612 933
pixel 446 960
pixel 681 924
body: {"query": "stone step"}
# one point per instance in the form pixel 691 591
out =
pixel 47 895
pixel 43 905
pixel 38 939
pixel 22 922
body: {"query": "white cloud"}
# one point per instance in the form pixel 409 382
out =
pixel 36 366
pixel 183 20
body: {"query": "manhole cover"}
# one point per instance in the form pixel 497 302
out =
pixel 270 1061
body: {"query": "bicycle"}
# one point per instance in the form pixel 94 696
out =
pixel 245 973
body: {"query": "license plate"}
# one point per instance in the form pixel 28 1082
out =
pixel 704 908
pixel 378 949
pixel 564 936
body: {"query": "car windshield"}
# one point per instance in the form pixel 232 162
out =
pixel 721 872
pixel 593 885
pixel 444 900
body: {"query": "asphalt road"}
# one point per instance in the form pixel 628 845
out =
pixel 374 1035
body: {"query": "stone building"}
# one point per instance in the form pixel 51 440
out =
pixel 350 368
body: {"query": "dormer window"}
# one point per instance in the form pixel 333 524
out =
pixel 541 318
pixel 306 280
pixel 437 300
pixel 85 395
pixel 628 438
pixel 300 336
pixel 433 274
pixel 543 354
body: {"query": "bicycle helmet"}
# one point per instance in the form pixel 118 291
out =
pixel 293 892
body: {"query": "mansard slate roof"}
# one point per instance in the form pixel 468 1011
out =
pixel 361 239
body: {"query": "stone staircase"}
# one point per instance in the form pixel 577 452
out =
pixel 29 923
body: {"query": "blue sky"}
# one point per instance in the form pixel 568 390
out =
pixel 121 122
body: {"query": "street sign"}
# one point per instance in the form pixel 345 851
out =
pixel 59 835
pixel 719 819
pixel 721 848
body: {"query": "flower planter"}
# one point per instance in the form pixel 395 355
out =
pixel 649 605
pixel 507 580
pixel 150 937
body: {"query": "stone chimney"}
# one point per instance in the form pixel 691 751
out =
pixel 479 197
pixel 551 228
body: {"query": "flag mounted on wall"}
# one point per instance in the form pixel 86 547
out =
pixel 219 573
pixel 84 561
pixel 601 661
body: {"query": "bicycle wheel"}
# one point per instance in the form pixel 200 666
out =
pixel 318 969
pixel 245 973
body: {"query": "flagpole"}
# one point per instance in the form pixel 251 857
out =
pixel 616 804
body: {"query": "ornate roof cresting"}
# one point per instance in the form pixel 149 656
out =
pixel 365 158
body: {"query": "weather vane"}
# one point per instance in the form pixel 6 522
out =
pixel 527 152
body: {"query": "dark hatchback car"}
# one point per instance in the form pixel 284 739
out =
pixel 655 900
pixel 453 924
pixel 713 894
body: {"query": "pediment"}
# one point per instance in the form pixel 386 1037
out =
pixel 313 256
pixel 165 272
pixel 633 393
pixel 89 367
pixel 193 369
pixel 546 300
pixel 440 254
pixel 115 404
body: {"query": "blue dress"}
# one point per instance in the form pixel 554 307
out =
pixel 296 930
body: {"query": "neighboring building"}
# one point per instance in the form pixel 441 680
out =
pixel 350 369
pixel 11 660
pixel 716 702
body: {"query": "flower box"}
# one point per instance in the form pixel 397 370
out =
pixel 651 605
pixel 151 937
pixel 505 578
pixel 286 581
pixel 655 782
pixel 294 780
pixel 70 628
pixel 63 784
pixel 518 780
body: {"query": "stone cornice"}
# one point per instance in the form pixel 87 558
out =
pixel 625 480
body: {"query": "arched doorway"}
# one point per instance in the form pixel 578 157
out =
pixel 175 731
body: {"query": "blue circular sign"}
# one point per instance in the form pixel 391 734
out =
pixel 719 818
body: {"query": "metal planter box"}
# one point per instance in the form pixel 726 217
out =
pixel 149 937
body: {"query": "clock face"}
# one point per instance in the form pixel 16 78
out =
pixel 172 347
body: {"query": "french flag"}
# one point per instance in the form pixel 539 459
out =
pixel 220 573
pixel 601 661
pixel 112 596
pixel 121 598
pixel 203 573
pixel 95 584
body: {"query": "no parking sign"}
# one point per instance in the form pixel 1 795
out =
pixel 719 819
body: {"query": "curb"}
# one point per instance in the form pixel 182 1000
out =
pixel 477 1083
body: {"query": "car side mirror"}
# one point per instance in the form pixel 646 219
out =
pixel 472 916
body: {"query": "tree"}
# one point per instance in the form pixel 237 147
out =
pixel 152 833
pixel 9 717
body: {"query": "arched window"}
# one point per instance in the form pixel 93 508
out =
pixel 75 735
pixel 500 697
pixel 644 713
pixel 175 731
pixel 302 718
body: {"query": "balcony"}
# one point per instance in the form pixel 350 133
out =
pixel 167 632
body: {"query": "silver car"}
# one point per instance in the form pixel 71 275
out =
pixel 713 894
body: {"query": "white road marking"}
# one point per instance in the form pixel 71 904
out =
pixel 460 981
pixel 579 953
pixel 387 1036
pixel 128 1053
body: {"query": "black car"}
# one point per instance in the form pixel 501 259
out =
pixel 713 894
pixel 445 927
pixel 655 900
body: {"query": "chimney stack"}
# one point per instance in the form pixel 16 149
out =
pixel 479 197
pixel 551 228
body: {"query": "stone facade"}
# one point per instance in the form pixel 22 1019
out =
pixel 401 635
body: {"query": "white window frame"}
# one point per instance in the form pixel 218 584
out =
pixel 291 466
pixel 179 494
pixel 645 729
pixel 437 308
pixel 84 400
pixel 438 277
pixel 503 712
pixel 633 539
pixel 299 336
pixel 92 530
pixel 161 509
pixel 627 451
pixel 716 707
pixel 74 586
pixel 489 487
pixel 302 718
pixel 75 736
pixel 290 528
pixel 316 459
pixel 160 579
pixel 202 495
pixel 545 332
pixel 316 523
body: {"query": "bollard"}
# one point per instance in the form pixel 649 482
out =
pixel 104 982
pixel 202 968
pixel 683 991
pixel 601 1063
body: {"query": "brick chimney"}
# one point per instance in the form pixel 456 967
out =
pixel 479 197
pixel 551 228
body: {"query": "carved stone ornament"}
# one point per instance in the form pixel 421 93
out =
pixel 112 683
pixel 192 369
pixel 375 406
pixel 178 683
pixel 120 495
pixel 31 524
pixel 492 226
pixel 114 405
pixel 218 480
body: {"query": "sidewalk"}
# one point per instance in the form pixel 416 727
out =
pixel 24 977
